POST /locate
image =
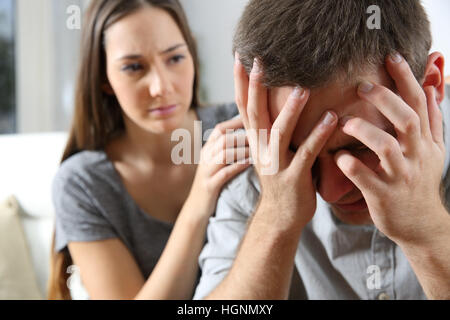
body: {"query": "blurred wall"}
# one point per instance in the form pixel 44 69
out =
pixel 47 55
pixel 46 63
pixel 439 15
pixel 213 23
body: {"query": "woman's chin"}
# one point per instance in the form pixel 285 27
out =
pixel 165 126
pixel 167 123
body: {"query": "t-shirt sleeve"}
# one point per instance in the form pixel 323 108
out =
pixel 224 234
pixel 78 215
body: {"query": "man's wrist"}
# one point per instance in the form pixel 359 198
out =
pixel 279 221
pixel 263 266
pixel 437 234
pixel 429 258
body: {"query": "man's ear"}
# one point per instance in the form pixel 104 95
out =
pixel 106 87
pixel 434 75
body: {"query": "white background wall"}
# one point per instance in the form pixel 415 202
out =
pixel 439 14
pixel 46 63
pixel 47 54
pixel 213 23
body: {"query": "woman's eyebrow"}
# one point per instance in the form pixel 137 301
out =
pixel 131 57
pixel 135 56
pixel 173 48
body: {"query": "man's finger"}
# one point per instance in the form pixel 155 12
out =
pixel 384 145
pixel 287 119
pixel 358 173
pixel 257 112
pixel 408 88
pixel 404 119
pixel 309 150
pixel 241 88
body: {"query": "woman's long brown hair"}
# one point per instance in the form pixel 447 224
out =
pixel 98 115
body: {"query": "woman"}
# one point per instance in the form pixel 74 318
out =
pixel 118 193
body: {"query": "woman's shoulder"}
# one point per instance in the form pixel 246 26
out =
pixel 83 162
pixel 89 179
pixel 212 115
pixel 85 201
pixel 86 168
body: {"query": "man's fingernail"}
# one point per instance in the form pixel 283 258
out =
pixel 365 87
pixel 256 66
pixel 344 120
pixel 298 92
pixel 396 57
pixel 329 119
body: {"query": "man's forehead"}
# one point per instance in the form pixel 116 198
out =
pixel 342 98
pixel 341 92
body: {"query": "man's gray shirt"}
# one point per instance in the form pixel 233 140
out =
pixel 334 260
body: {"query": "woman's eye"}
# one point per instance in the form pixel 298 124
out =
pixel 132 67
pixel 176 59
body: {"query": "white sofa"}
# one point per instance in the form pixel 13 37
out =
pixel 28 164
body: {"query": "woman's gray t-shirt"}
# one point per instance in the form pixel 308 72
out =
pixel 91 202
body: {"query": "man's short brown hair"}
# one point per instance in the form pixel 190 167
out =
pixel 313 42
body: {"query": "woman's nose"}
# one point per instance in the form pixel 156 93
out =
pixel 160 84
pixel 332 184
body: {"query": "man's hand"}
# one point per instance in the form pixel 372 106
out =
pixel 288 191
pixel 403 194
pixel 265 261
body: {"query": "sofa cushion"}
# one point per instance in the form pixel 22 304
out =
pixel 27 167
pixel 17 276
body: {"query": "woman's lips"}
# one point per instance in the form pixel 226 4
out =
pixel 164 110
pixel 355 206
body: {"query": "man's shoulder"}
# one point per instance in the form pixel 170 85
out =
pixel 244 180
pixel 242 193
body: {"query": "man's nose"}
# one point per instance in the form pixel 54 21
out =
pixel 332 183
pixel 160 84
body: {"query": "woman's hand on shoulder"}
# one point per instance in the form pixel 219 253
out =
pixel 225 155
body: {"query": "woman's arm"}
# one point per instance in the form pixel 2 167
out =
pixel 176 271
pixel 110 272
pixel 108 269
